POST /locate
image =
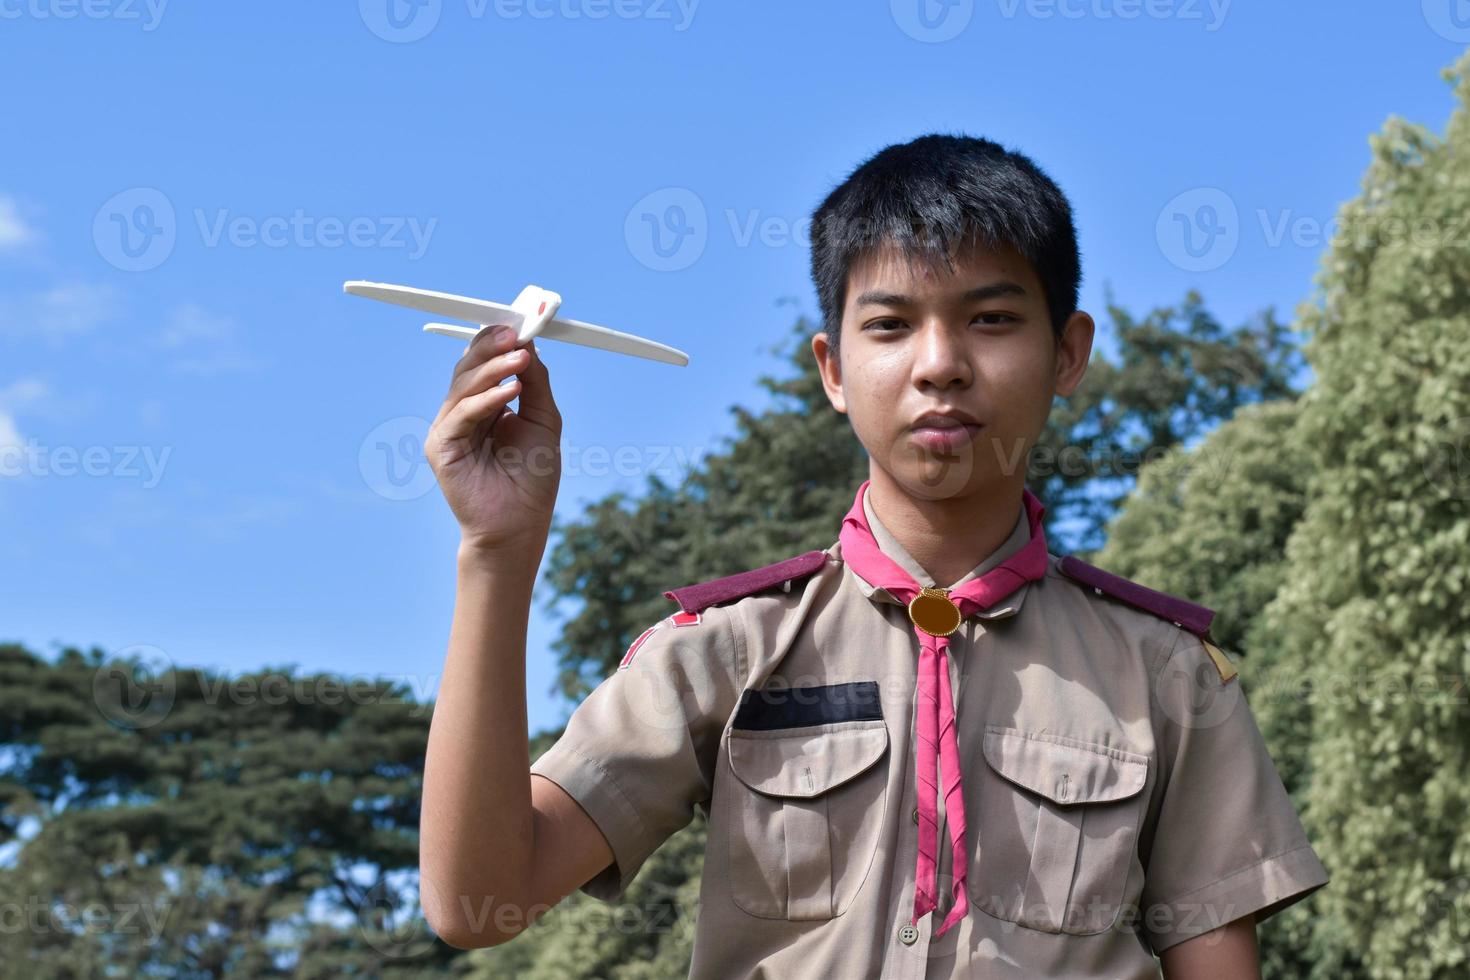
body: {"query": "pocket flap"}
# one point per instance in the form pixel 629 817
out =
pixel 1063 770
pixel 805 762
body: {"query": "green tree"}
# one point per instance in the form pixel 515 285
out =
pixel 1349 513
pixel 1212 523
pixel 186 824
pixel 1373 610
pixel 1177 375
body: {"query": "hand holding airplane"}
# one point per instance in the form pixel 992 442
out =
pixel 531 315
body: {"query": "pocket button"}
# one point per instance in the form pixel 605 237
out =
pixel 908 935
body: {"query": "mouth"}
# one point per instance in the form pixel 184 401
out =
pixel 944 418
pixel 945 436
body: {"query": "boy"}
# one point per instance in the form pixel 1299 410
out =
pixel 1042 770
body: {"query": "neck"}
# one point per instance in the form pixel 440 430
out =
pixel 951 536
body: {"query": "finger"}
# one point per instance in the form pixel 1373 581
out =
pixel 475 380
pixel 483 346
pixel 492 372
pixel 462 382
pixel 537 404
pixel 460 421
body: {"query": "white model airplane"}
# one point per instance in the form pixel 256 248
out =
pixel 531 315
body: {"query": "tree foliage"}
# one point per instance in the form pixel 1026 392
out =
pixel 185 824
pixel 1373 613
pixel 1177 375
pixel 1337 545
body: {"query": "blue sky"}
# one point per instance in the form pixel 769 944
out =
pixel 193 415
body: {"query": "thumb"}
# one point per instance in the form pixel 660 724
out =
pixel 536 402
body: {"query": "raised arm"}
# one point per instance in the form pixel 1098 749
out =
pixel 498 847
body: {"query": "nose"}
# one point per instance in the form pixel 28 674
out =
pixel 941 357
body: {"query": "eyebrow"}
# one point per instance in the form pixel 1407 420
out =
pixel 1003 288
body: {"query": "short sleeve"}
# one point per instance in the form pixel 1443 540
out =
pixel 1227 840
pixel 638 754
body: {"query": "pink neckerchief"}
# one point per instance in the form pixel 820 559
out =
pixel 935 705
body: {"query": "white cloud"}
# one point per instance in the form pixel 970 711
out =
pixel 57 313
pixel 26 391
pixel 14 232
pixel 191 323
pixel 205 343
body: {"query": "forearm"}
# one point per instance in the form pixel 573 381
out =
pixel 476 826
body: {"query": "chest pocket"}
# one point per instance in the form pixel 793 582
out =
pixel 806 805
pixel 1058 822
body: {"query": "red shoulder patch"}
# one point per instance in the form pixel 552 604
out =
pixel 633 647
pixel 693 598
pixel 1182 613
pixel 675 621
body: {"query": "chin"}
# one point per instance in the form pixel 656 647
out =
pixel 924 476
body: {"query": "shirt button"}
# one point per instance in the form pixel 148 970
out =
pixel 915 814
pixel 908 935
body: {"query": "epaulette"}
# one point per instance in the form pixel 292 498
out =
pixel 1186 615
pixel 693 598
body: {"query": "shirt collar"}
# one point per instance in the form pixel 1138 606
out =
pixel 1010 605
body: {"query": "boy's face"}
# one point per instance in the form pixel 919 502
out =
pixel 975 341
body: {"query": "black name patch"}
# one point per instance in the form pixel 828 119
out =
pixel 794 707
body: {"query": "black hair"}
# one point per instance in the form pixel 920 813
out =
pixel 926 197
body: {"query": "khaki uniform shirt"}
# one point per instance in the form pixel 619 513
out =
pixel 1118 795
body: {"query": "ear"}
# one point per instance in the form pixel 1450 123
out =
pixel 1074 348
pixel 830 367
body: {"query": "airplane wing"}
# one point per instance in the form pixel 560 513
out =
pixel 485 312
pixel 604 338
pixel 480 311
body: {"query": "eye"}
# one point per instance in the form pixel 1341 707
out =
pixel 1003 318
pixel 880 323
